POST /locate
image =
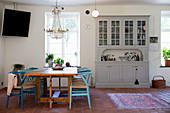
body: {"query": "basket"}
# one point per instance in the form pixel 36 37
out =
pixel 158 83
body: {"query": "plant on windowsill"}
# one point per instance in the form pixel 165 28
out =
pixel 166 55
pixel 59 62
pixel 49 59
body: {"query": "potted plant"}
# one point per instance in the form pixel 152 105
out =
pixel 49 59
pixel 166 55
pixel 59 62
pixel 17 67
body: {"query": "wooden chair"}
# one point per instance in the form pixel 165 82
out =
pixel 80 87
pixel 25 87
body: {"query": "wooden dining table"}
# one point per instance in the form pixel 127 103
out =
pixel 67 72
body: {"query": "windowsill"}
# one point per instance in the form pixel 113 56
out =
pixel 164 66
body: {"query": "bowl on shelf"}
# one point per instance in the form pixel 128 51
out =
pixel 123 58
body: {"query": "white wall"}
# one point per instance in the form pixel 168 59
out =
pixel 2 52
pixel 30 51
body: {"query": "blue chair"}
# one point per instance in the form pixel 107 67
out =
pixel 80 87
pixel 23 89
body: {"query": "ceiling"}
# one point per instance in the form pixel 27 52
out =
pixel 90 2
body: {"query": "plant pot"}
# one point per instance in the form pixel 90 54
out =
pixel 167 62
pixel 50 63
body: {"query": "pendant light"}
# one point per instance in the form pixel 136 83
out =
pixel 95 12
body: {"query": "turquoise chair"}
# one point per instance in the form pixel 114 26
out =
pixel 23 89
pixel 80 87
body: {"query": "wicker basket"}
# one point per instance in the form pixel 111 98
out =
pixel 158 83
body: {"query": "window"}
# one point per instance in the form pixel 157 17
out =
pixel 68 47
pixel 165 32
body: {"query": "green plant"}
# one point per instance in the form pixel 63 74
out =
pixel 18 67
pixel 49 57
pixel 166 53
pixel 59 61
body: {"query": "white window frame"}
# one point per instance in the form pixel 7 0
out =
pixel 64 15
pixel 164 30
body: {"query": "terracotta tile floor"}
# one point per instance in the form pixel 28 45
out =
pixel 100 103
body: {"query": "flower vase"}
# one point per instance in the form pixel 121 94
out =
pixel 50 63
pixel 167 62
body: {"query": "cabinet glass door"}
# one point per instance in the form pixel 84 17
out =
pixel 141 33
pixel 102 33
pixel 115 33
pixel 128 32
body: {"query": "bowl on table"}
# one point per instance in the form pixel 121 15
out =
pixel 58 68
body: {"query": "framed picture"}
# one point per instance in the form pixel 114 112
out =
pixel 153 46
pixel 154 39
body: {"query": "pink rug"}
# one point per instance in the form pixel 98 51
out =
pixel 137 100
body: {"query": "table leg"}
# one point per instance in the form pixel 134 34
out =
pixel 45 86
pixel 38 88
pixel 69 83
pixel 59 82
pixel 50 92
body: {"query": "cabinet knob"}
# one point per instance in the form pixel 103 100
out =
pixel 136 69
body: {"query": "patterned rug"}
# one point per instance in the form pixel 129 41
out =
pixel 137 100
pixel 164 95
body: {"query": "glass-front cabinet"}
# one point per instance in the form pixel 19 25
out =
pixel 115 32
pixel 128 32
pixel 103 33
pixel 122 31
pixel 141 32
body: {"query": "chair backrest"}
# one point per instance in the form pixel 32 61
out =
pixel 19 72
pixel 33 68
pixel 85 70
pixel 86 76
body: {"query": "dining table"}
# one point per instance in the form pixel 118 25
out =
pixel 44 73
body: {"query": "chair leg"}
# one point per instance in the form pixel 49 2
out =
pixel 70 97
pixel 19 100
pixel 88 96
pixel 7 101
pixel 22 98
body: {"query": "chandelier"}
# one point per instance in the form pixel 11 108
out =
pixel 56 32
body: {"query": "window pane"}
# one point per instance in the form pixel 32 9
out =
pixel 72 59
pixel 70 23
pixel 54 41
pixel 165 36
pixel 165 23
pixel 56 48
